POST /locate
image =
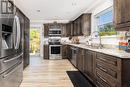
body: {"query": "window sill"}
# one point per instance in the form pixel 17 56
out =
pixel 112 36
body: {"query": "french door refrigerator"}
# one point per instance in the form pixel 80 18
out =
pixel 11 62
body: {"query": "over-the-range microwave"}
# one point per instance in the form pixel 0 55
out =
pixel 55 32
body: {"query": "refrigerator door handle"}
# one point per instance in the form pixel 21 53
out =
pixel 6 61
pixel 17 32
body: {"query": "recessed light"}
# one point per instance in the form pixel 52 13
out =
pixel 74 4
pixel 38 10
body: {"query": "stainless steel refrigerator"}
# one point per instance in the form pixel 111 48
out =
pixel 11 62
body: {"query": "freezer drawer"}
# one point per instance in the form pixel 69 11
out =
pixel 8 62
pixel 12 77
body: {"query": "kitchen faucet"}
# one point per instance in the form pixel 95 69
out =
pixel 100 43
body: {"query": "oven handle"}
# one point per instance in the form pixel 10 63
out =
pixel 6 61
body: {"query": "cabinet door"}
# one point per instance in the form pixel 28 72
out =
pixel 126 5
pixel 72 28
pixel 122 14
pixel 46 52
pixel 117 11
pixel 69 52
pixel 64 30
pixel 80 59
pixel 86 24
pixel 64 51
pixel 68 30
pixel 46 30
pixel 89 65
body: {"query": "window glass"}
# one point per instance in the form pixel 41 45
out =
pixel 105 23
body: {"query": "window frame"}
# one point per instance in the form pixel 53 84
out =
pixel 102 13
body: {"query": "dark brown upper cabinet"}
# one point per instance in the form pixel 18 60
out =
pixel 80 26
pixel 122 15
pixel 46 30
pixel 66 30
pixel 86 24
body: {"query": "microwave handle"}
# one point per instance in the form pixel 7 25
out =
pixel 17 32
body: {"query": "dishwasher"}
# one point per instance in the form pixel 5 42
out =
pixel 74 56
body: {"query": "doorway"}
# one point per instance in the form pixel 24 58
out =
pixel 35 42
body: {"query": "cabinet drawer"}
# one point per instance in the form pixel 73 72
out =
pixel 109 60
pixel 101 82
pixel 107 79
pixel 107 70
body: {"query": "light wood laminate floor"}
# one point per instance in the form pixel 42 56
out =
pixel 47 73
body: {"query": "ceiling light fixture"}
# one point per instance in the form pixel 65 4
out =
pixel 38 10
pixel 74 4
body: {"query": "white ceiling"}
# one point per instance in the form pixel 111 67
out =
pixel 62 10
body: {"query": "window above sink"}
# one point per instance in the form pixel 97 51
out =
pixel 104 22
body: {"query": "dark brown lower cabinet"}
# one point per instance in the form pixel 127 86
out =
pixel 103 70
pixel 64 51
pixel 89 65
pixel 80 59
pixel 46 52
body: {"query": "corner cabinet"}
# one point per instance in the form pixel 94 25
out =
pixel 122 15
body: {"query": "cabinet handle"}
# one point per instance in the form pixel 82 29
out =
pixel 101 67
pixel 101 77
pixel 102 59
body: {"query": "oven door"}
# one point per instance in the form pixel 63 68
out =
pixel 55 51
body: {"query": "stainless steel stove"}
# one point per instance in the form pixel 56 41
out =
pixel 55 48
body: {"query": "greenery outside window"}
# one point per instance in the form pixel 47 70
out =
pixel 105 23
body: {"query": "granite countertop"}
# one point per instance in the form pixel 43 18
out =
pixel 113 52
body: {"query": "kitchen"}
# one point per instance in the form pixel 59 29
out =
pixel 82 43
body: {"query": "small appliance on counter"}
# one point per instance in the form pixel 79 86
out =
pixel 128 41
